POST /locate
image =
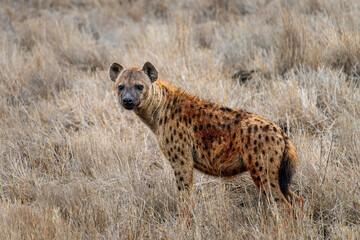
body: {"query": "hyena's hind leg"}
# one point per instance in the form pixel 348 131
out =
pixel 266 179
pixel 269 187
pixel 295 198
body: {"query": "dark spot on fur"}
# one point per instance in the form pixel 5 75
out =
pixel 249 130
pixel 182 163
pixel 253 171
pixel 255 142
pixel 276 199
pixel 272 185
pixel 208 125
pixel 241 131
pixel 228 127
pixel 259 136
pixel 167 140
pixel 267 138
pixel 192 106
pixel 160 122
pixel 225 109
pixel 263 152
pixel 274 128
pixel 266 128
pixel 200 127
pixel 250 158
pixel 255 150
pixel 260 169
pixel 195 128
pixel 238 115
pixel 181 179
pixel 179 188
pixel 234 135
pixel 255 128
pixel 257 163
pixel 272 138
pixel 165 119
pixel 271 159
pixel 236 122
pixel 172 138
pixel 258 179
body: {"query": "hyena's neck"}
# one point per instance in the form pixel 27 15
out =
pixel 161 96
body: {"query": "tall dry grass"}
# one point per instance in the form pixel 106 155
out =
pixel 73 165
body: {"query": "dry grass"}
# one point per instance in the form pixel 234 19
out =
pixel 76 166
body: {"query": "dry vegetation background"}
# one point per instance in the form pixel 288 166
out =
pixel 73 165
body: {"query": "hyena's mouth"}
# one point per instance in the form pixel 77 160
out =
pixel 130 107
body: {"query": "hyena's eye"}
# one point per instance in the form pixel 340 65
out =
pixel 121 87
pixel 139 87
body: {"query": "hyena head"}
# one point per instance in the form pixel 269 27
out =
pixel 132 84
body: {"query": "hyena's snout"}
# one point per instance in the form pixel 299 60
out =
pixel 129 101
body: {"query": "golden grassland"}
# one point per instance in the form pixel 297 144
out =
pixel 74 165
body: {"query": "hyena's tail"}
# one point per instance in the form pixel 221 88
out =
pixel 287 166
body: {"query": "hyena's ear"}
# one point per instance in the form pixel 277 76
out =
pixel 114 71
pixel 150 71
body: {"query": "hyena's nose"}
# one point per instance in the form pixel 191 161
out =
pixel 127 101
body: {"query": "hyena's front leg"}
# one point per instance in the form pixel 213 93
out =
pixel 183 170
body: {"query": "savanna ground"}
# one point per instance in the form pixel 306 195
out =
pixel 73 165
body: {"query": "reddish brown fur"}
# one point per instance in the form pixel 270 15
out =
pixel 195 133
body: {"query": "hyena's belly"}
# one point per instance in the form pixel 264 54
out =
pixel 218 163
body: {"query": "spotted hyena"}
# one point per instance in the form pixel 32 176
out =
pixel 216 140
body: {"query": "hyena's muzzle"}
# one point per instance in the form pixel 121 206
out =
pixel 129 99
